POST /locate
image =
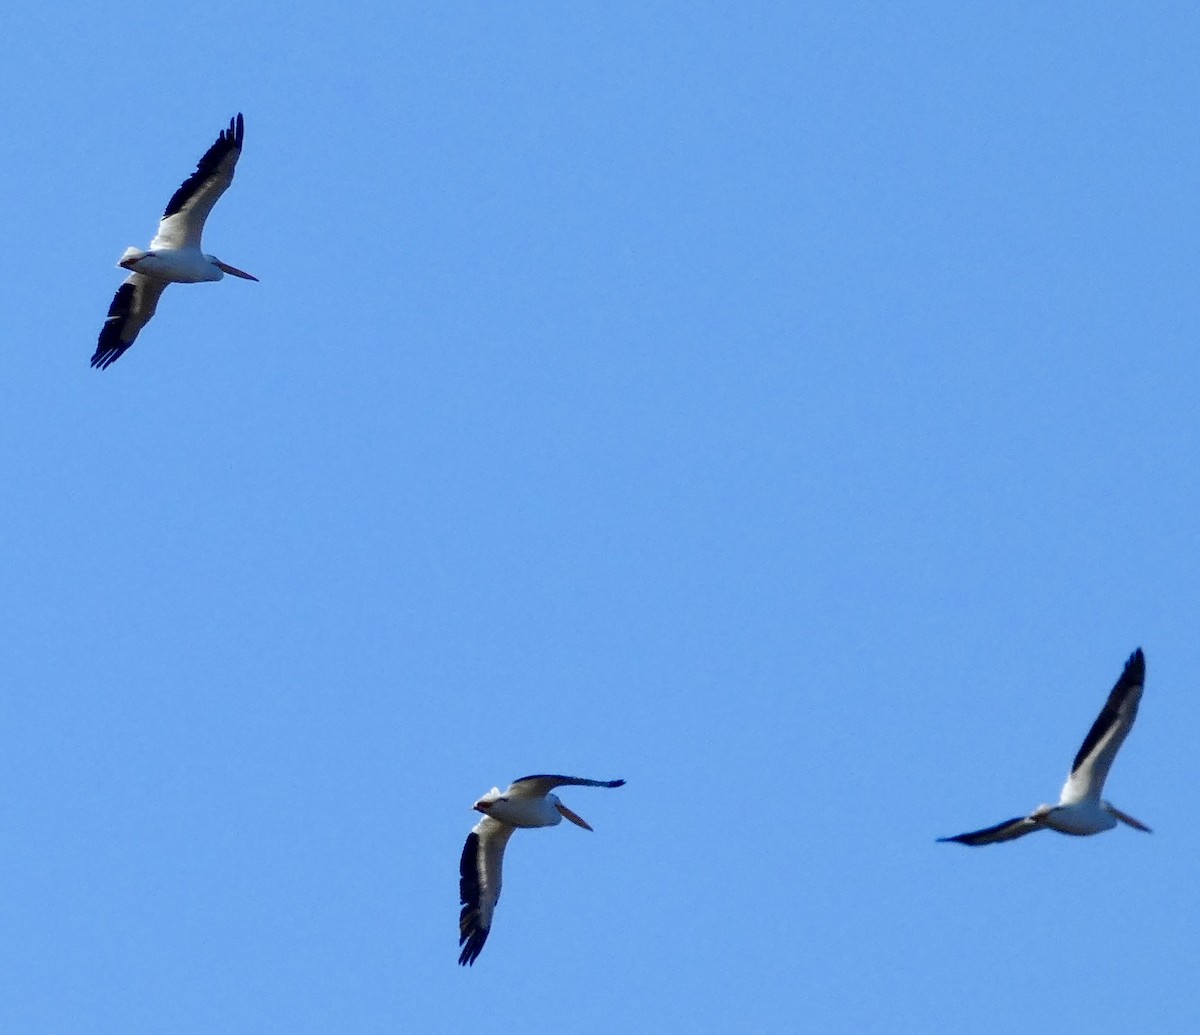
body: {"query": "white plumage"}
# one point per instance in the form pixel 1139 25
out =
pixel 528 802
pixel 1080 809
pixel 174 255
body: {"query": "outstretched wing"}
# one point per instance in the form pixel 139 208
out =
pixel 1006 831
pixel 183 221
pixel 479 884
pixel 1108 733
pixel 131 309
pixel 542 784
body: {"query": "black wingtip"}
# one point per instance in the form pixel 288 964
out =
pixel 978 838
pixel 110 346
pixel 107 354
pixel 471 936
pixel 1133 675
pixel 227 140
pixel 474 946
pixel 1135 669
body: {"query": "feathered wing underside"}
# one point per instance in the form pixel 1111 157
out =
pixel 183 221
pixel 479 884
pixel 1108 733
pixel 130 311
pixel 542 784
pixel 1006 831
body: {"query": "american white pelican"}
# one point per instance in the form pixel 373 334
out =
pixel 527 803
pixel 174 255
pixel 1080 809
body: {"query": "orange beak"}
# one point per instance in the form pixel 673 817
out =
pixel 568 814
pixel 1125 818
pixel 226 268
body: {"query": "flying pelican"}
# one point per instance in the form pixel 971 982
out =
pixel 527 803
pixel 174 255
pixel 1080 809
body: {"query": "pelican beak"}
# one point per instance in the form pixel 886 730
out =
pixel 480 806
pixel 566 813
pixel 1128 820
pixel 224 267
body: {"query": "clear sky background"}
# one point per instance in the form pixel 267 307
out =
pixel 791 409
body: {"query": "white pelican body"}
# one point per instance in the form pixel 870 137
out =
pixel 518 811
pixel 174 256
pixel 173 265
pixel 1080 810
pixel 527 803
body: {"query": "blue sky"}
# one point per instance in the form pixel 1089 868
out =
pixel 792 411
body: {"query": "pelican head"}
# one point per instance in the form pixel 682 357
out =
pixel 226 268
pixel 566 813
